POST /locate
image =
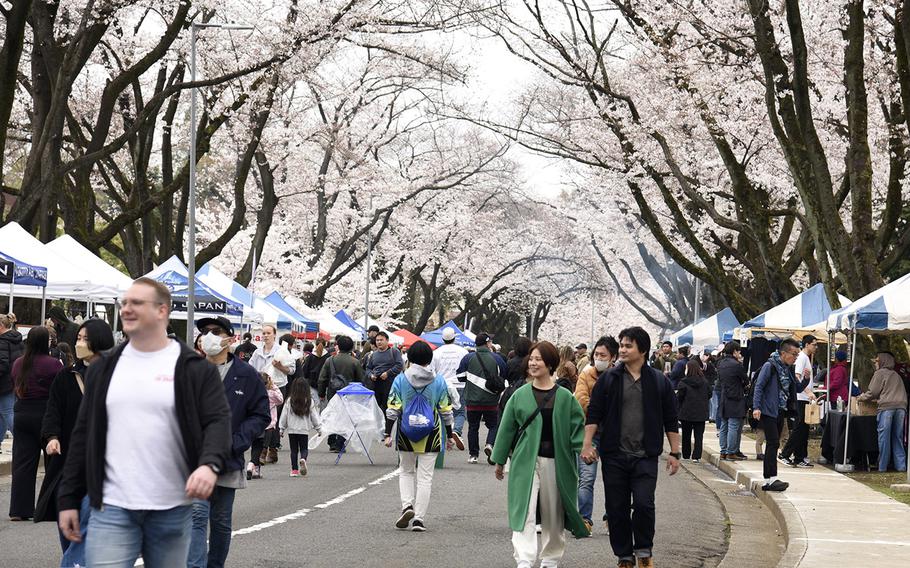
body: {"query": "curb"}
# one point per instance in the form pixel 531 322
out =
pixel 791 524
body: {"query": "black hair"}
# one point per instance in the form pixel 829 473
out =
pixel 98 334
pixel 522 347
pixel 383 334
pixel 248 336
pixel 301 398
pixel 609 344
pixel 639 336
pixel 345 344
pixel 684 350
pixel 548 353
pixel 787 343
pixel 732 347
pixel 289 339
pixel 308 347
pixel 420 353
pixel 670 343
pixel 37 342
pixel 808 340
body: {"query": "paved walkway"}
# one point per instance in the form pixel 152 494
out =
pixel 828 518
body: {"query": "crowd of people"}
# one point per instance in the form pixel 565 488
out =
pixel 219 411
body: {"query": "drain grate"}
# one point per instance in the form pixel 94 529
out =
pixel 741 493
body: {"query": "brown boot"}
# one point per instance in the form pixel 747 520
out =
pixel 273 455
pixel 646 562
pixel 626 564
pixel 263 456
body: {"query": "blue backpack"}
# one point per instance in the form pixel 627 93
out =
pixel 418 419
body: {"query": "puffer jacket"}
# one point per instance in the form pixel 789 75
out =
pixel 11 348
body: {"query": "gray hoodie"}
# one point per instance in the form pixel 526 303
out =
pixel 886 386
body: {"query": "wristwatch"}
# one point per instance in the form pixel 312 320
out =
pixel 214 468
pixel 676 455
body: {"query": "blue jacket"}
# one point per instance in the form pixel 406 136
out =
pixel 766 395
pixel 249 404
pixel 678 372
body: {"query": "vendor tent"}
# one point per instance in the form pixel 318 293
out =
pixel 710 331
pixel 173 274
pixel 328 323
pixel 435 337
pixel 255 309
pixel 887 310
pixel 347 320
pixel 804 310
pixel 277 300
pixel 408 338
pixel 69 248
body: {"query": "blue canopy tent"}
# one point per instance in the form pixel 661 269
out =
pixel 17 273
pixel 347 320
pixel 435 336
pixel 173 274
pixel 886 310
pixel 277 301
pixel 708 332
pixel 801 311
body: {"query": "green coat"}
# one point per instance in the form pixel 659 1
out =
pixel 568 437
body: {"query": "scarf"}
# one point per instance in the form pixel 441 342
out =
pixel 783 379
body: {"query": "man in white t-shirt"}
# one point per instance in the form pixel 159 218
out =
pixel 446 360
pixel 796 450
pixel 153 433
pixel 275 359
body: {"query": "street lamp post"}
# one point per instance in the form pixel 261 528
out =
pixel 191 231
pixel 366 297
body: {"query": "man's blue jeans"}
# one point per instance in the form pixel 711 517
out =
pixel 721 424
pixel 118 536
pixel 587 475
pixel 216 512
pixel 459 414
pixel 6 414
pixel 730 433
pixel 891 439
pixel 712 408
pixel 74 552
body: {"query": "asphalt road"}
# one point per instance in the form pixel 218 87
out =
pixel 344 515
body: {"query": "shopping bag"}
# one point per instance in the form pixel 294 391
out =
pixel 812 414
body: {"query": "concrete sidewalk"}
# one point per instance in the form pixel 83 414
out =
pixel 828 518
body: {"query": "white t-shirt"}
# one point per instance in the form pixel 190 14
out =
pixel 803 370
pixel 145 459
pixel 445 362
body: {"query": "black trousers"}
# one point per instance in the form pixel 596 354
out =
pixel 27 448
pixel 773 426
pixel 798 443
pixel 299 443
pixel 688 430
pixel 382 390
pixel 629 485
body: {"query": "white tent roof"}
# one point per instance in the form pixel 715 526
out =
pixel 70 249
pixel 886 310
pixel 255 309
pixel 327 320
pixel 66 278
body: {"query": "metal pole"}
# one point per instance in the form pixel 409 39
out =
pixel 592 324
pixel 847 467
pixel 191 233
pixel 11 299
pixel 366 296
pixel 697 298
pixel 44 304
pixel 533 323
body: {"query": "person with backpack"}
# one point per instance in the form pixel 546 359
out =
pixel 299 417
pixel 338 371
pixel 541 433
pixel 482 371
pixel 419 403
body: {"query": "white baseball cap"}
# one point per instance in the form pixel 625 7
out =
pixel 448 334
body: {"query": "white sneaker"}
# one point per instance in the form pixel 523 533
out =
pixel 472 459
pixel 302 463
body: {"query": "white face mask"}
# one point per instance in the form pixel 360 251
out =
pixel 601 366
pixel 211 344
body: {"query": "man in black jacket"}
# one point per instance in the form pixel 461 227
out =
pixel 312 366
pixel 249 403
pixel 732 385
pixel 153 433
pixel 634 406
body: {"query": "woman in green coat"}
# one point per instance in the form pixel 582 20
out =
pixel 544 461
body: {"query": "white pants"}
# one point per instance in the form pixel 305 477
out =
pixel 422 465
pixel 552 520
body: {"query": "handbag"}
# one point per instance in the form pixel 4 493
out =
pixel 336 381
pixel 494 383
pixel 531 418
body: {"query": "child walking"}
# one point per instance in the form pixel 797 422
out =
pixel 299 417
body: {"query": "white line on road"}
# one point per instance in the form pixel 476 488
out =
pixel 304 512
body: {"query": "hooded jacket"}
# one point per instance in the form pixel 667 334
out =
pixel 694 395
pixel 11 348
pixel 731 385
pixel 886 386
pixel 837 382
pixel 203 417
pixel 436 391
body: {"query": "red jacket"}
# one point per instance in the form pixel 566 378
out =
pixel 837 382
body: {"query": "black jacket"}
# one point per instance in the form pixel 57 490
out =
pixel 312 366
pixel 694 396
pixel 660 413
pixel 202 415
pixel 249 404
pixel 10 349
pixel 732 384
pixel 59 421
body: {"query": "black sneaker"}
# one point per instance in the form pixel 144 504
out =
pixel 417 526
pixel 786 461
pixel 805 463
pixel 741 456
pixel 760 457
pixel 405 519
pixel 488 449
pixel 776 485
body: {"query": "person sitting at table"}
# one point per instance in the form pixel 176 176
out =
pixel 888 389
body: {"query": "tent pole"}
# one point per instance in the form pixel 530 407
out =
pixel 847 467
pixel 116 315
pixel 828 374
pixel 11 299
pixel 44 304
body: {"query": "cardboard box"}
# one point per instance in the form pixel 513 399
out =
pixel 863 408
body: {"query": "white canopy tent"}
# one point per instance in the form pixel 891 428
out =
pixel 70 249
pixel 255 309
pixel 328 323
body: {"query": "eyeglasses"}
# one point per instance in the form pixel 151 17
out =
pixel 128 303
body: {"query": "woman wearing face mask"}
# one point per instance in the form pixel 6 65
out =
pixel 93 338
